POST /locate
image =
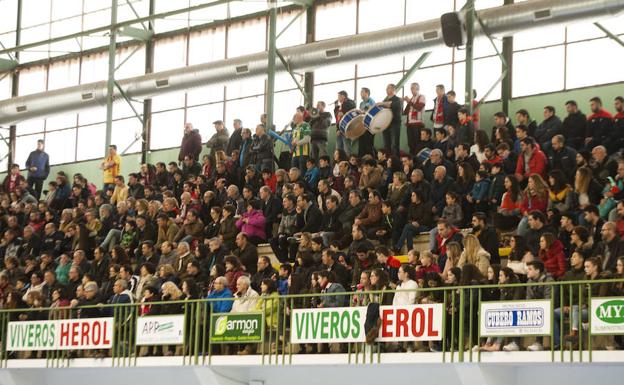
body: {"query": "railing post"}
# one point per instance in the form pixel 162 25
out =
pixel 460 342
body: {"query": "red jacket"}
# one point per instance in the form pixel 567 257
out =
pixel 393 262
pixel 537 164
pixel 554 260
pixel 534 202
pixel 420 273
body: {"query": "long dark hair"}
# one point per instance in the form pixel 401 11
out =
pixel 471 275
pixel 514 190
pixel 469 174
pixel 382 280
pixel 560 181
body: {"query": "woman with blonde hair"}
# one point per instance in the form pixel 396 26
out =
pixel 141 206
pixel 474 254
pixel 587 191
pixel 453 253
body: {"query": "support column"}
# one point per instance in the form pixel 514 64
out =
pixel 147 103
pixel 15 85
pixel 270 97
pixel 506 86
pixel 469 52
pixel 110 86
pixel 310 37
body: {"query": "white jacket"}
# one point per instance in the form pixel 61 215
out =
pixel 405 297
pixel 245 303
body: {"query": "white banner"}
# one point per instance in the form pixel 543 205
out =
pixel 515 318
pixel 607 315
pixel 336 324
pixel 411 323
pixel 68 334
pixel 160 330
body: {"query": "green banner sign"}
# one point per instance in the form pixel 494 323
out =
pixel 235 328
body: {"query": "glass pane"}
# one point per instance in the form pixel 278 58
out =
pixel 91 142
pixel 63 74
pixel 30 127
pixel 245 8
pixel 334 73
pixel 243 88
pixel 168 101
pixel 65 8
pixel 441 55
pixel 247 37
pixel 295 34
pixel 126 134
pixel 415 11
pixel 5 86
pixel 94 68
pixel 329 93
pixel 285 105
pixel 121 109
pixel 32 80
pixel 207 46
pixel 539 38
pixel 164 125
pixel 170 54
pixel 133 66
pixel 248 110
pixel 377 85
pixel 8 8
pixel 579 63
pixel 578 32
pixel 486 72
pixel 202 118
pixel 538 71
pixel 23 147
pixel 203 95
pixel 92 115
pixel 60 122
pixel 335 19
pixel 61 145
pixel 381 14
pixel 428 78
pixel 41 16
pixel 206 15
pixel 381 66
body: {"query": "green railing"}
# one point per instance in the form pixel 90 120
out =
pixel 201 335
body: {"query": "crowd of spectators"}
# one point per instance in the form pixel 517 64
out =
pixel 188 229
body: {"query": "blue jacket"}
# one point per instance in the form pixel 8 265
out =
pixel 221 306
pixel 312 177
pixel 282 286
pixel 480 190
pixel 41 160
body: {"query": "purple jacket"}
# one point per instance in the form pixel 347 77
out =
pixel 254 225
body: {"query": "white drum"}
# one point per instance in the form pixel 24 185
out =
pixel 377 119
pixel 352 124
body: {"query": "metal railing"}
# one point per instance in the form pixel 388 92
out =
pixel 197 345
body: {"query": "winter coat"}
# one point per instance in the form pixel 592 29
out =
pixel 255 224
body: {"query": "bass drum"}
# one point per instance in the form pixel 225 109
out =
pixel 377 119
pixel 352 124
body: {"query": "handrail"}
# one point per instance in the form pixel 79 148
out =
pixel 346 293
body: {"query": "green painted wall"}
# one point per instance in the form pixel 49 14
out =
pixel 534 104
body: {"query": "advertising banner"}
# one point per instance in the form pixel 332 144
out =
pixel 331 325
pixel 68 334
pixel 160 330
pixel 411 323
pixel 515 318
pixel 607 315
pixel 236 328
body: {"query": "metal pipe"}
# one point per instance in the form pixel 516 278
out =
pixel 470 29
pixel 110 85
pixel 500 22
pixel 271 62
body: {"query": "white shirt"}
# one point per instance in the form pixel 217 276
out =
pixel 405 297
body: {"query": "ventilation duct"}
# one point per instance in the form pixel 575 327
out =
pixel 500 21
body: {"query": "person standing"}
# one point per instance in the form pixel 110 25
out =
pixel 343 106
pixel 319 125
pixel 440 105
pixel 414 111
pixel 236 138
pixel 301 142
pixel 218 141
pixel 366 142
pixel 38 165
pixel 191 143
pixel 111 167
pixel 392 134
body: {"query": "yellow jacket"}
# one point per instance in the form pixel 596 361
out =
pixel 268 304
pixel 120 194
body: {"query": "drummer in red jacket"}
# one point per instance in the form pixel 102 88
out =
pixel 530 161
